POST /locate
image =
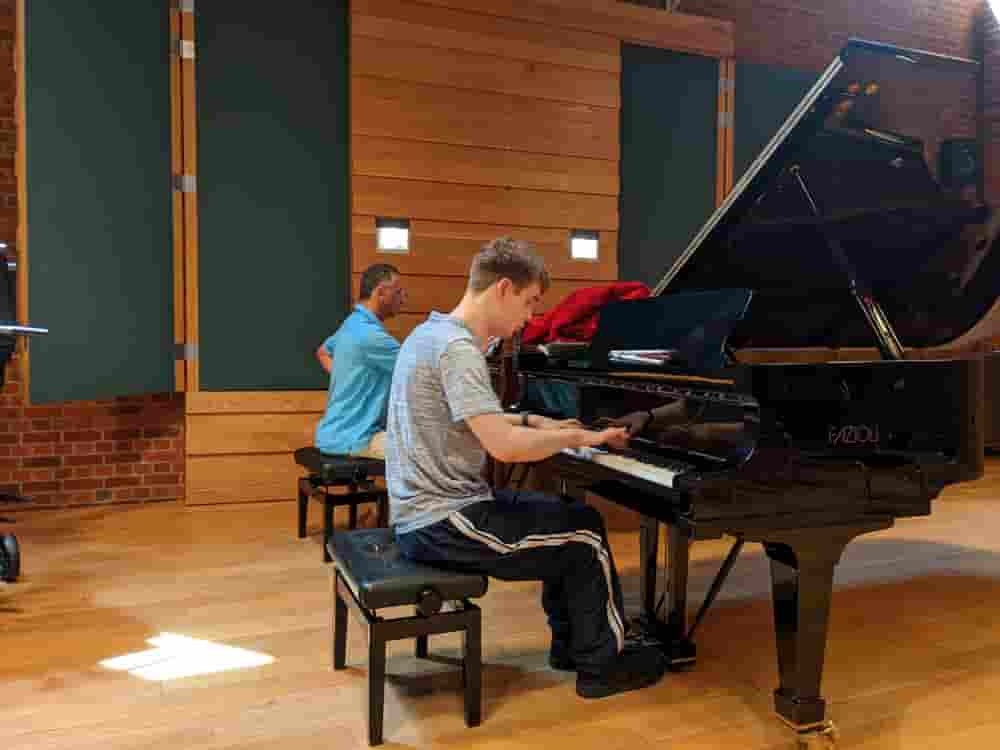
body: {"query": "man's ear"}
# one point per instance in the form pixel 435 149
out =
pixel 504 286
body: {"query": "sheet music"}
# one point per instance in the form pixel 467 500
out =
pixel 657 357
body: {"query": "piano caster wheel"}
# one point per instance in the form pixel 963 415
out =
pixel 823 737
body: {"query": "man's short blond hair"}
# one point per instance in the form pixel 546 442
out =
pixel 507 258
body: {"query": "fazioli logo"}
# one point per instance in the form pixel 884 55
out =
pixel 853 434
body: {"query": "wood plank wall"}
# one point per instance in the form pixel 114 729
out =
pixel 481 119
pixel 474 119
pixel 239 445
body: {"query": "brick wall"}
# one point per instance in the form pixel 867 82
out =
pixel 128 449
pixel 82 452
pixel 807 33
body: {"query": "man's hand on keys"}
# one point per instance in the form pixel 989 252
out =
pixel 613 436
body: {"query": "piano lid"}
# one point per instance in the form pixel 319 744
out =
pixel 845 204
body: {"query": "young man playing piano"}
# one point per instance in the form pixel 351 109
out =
pixel 443 418
pixel 360 357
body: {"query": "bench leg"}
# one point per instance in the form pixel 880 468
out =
pixel 339 627
pixel 376 684
pixel 472 670
pixel 303 509
pixel 327 523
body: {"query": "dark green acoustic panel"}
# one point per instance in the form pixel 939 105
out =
pixel 98 197
pixel 668 157
pixel 273 176
pixel 765 96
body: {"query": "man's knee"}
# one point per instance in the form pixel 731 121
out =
pixel 375 448
pixel 585 517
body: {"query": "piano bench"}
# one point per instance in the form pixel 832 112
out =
pixel 336 481
pixel 370 573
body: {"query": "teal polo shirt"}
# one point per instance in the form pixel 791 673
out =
pixel 363 357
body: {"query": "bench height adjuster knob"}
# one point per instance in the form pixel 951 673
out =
pixel 429 602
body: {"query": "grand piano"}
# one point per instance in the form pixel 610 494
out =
pixel 839 237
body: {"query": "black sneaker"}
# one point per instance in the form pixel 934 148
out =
pixel 634 668
pixel 560 658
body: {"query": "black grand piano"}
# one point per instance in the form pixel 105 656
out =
pixel 839 235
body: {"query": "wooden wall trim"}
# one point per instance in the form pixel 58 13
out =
pixel 189 138
pixel 21 174
pixel 724 129
pixel 177 200
pixel 729 148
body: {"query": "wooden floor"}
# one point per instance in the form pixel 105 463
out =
pixel 913 660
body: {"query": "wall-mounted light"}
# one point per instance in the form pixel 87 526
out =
pixel 583 244
pixel 392 235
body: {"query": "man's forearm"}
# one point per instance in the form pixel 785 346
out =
pixel 527 444
pixel 517 420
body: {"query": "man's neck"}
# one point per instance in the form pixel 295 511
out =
pixel 372 306
pixel 471 312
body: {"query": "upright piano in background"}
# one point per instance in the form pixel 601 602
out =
pixel 838 237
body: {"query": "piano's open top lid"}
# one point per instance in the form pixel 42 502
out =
pixel 847 194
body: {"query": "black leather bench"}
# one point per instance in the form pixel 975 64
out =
pixel 355 475
pixel 371 574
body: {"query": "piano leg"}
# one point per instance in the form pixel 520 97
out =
pixel 681 650
pixel 649 542
pixel 802 566
pixel 672 632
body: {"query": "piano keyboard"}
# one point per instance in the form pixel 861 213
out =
pixel 662 472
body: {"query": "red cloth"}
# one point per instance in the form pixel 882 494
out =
pixel 575 318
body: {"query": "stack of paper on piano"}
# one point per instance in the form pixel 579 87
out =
pixel 656 357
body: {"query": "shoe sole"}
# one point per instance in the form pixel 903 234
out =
pixel 604 691
pixel 564 664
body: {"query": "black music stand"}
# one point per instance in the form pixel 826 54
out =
pixel 10 555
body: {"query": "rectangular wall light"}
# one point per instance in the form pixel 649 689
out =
pixel 584 245
pixel 392 235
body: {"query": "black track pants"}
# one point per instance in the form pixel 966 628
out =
pixel 525 536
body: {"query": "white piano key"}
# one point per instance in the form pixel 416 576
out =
pixel 651 473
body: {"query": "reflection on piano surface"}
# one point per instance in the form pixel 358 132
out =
pixel 831 239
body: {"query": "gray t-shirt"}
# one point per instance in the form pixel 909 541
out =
pixel 434 462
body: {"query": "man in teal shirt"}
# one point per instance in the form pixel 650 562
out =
pixel 360 357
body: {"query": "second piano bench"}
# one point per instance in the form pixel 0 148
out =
pixel 352 480
pixel 370 574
